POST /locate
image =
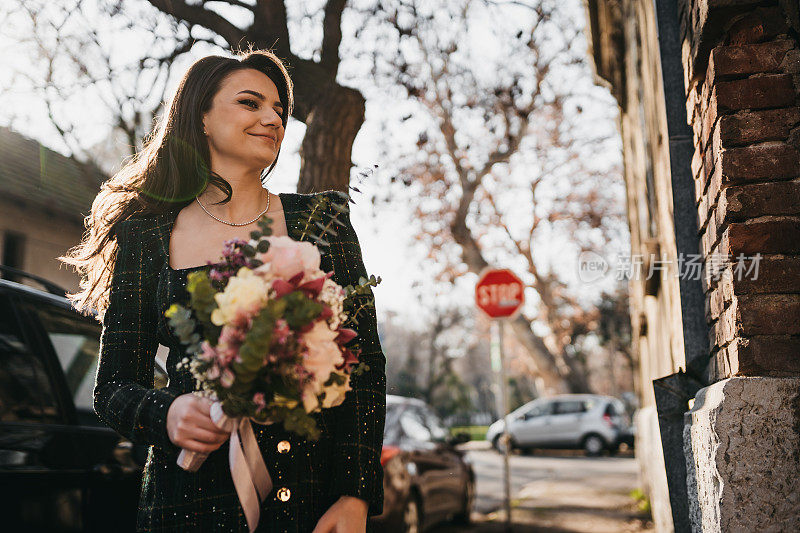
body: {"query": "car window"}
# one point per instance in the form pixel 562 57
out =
pixel 614 409
pixel 541 409
pixel 76 341
pixel 26 391
pixel 390 427
pixel 414 426
pixel 564 407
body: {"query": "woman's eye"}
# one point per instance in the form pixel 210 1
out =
pixel 248 102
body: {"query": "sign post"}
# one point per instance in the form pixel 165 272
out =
pixel 500 294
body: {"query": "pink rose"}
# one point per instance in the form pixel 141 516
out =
pixel 322 354
pixel 287 257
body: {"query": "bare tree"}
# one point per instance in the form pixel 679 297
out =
pixel 71 51
pixel 333 113
pixel 478 129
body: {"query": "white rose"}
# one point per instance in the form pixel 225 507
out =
pixel 244 292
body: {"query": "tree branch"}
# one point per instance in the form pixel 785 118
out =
pixel 202 17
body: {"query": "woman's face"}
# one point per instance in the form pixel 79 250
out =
pixel 244 122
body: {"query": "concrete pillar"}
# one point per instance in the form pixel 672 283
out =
pixel 742 451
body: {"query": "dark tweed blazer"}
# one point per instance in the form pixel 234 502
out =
pixel 344 461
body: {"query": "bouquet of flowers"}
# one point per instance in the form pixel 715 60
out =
pixel 271 345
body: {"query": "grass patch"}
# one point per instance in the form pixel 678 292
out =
pixel 475 432
pixel 641 499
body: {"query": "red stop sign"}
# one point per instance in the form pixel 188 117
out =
pixel 499 293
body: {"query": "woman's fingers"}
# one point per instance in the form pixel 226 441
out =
pixel 190 426
pixel 201 447
pixel 207 437
pixel 203 422
pixel 201 416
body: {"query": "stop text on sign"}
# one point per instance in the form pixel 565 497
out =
pixel 499 293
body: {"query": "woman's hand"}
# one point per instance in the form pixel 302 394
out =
pixel 189 424
pixel 347 515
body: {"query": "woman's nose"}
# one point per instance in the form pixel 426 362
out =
pixel 271 118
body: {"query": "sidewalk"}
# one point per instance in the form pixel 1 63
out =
pixel 575 507
pixel 580 498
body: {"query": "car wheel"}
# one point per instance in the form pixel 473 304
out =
pixel 411 522
pixel 496 443
pixel 463 518
pixel 593 445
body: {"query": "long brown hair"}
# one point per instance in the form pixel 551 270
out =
pixel 172 168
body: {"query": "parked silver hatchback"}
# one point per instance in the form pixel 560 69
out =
pixel 589 421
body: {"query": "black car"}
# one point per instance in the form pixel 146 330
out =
pixel 426 479
pixel 61 468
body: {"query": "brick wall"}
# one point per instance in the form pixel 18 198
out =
pixel 742 65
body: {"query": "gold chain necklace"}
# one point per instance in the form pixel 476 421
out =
pixel 233 223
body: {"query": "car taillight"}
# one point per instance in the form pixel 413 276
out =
pixel 607 420
pixel 387 452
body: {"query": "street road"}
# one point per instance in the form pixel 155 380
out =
pixel 557 491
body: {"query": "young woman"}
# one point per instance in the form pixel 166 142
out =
pixel 197 182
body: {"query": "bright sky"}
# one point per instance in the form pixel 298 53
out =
pixel 389 251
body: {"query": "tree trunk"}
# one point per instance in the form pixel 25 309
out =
pixel 332 125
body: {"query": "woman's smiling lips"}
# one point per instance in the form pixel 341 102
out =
pixel 264 136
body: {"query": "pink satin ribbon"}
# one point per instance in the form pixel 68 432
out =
pixel 248 470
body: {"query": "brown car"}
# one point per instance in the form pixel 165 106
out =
pixel 426 479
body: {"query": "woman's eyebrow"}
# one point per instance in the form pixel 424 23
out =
pixel 260 96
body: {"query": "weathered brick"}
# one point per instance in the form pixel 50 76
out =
pixel 752 275
pixel 720 364
pixel 724 329
pixel 711 156
pixel 780 236
pixel 702 213
pixel 759 25
pixel 773 160
pixel 715 181
pixel 716 298
pixel 741 60
pixel 757 92
pixel 747 127
pixel 765 274
pixel 752 315
pixel 711 228
pixel 767 355
pixel 769 314
pixel 700 187
pixel 697 161
pixel 708 115
pixel 707 240
pixel 740 202
pixel 693 101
